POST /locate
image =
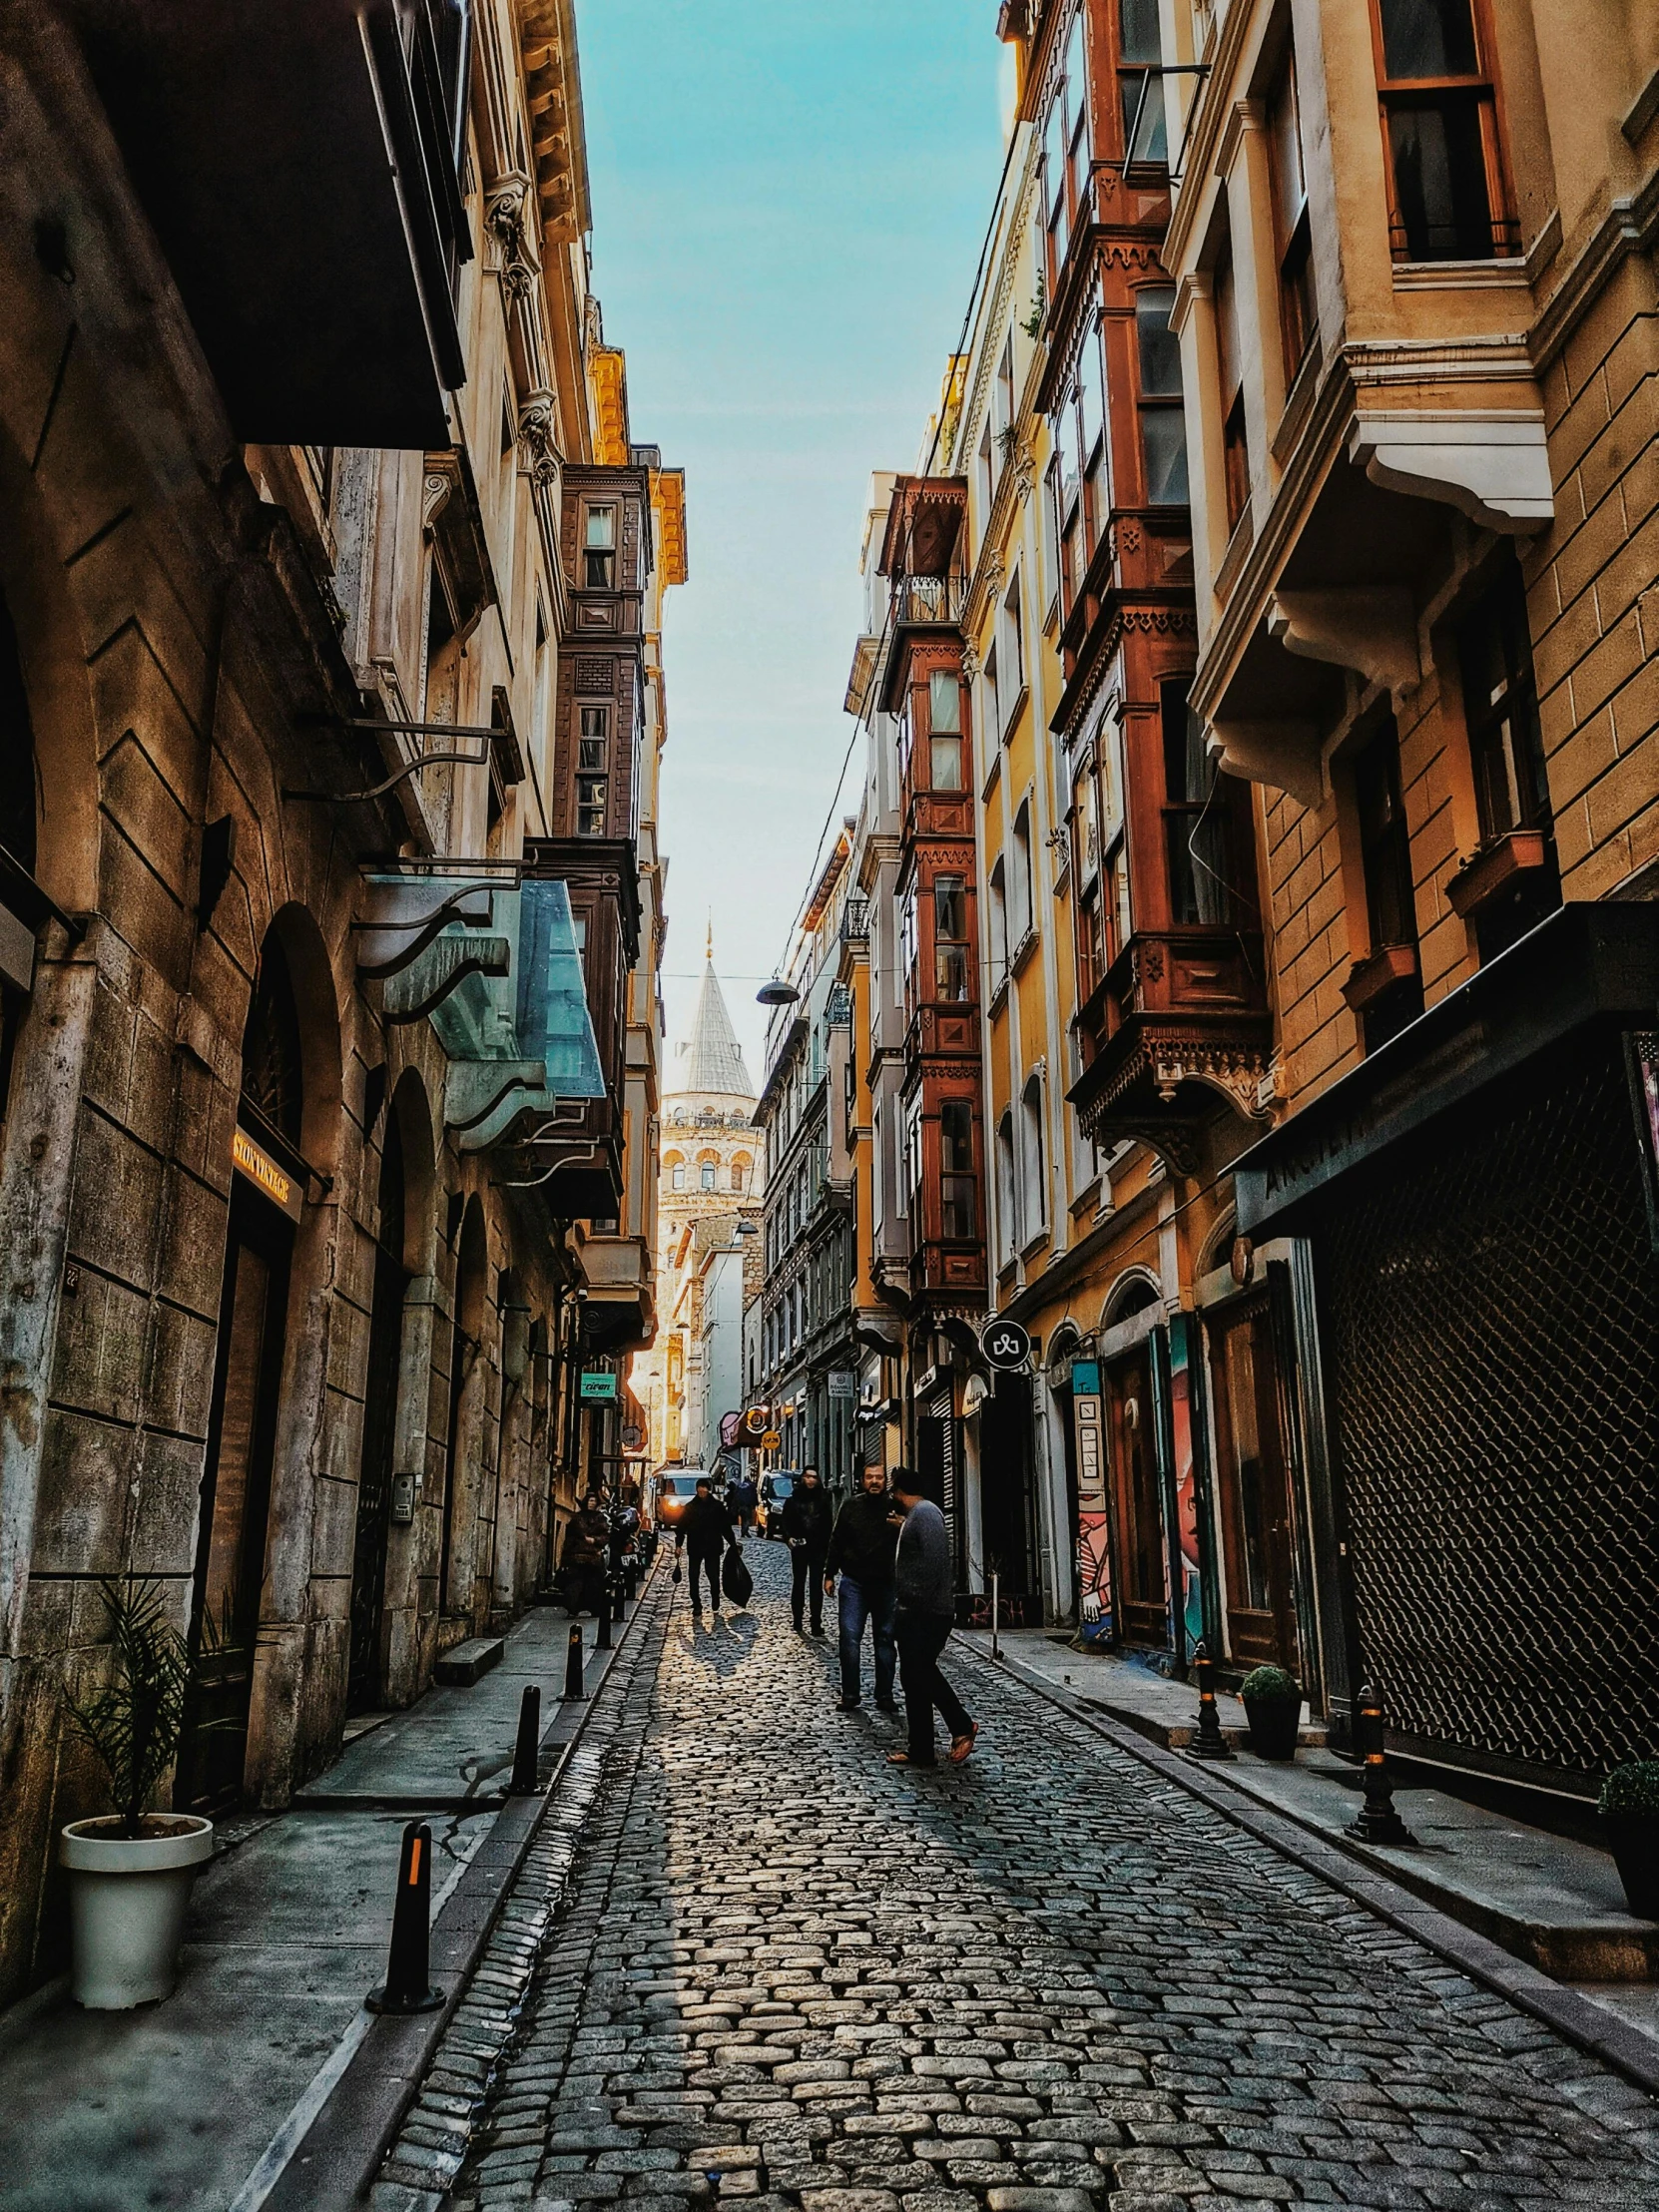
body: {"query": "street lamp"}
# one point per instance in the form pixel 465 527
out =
pixel 776 993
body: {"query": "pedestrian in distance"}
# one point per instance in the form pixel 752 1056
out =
pixel 926 1610
pixel 587 1546
pixel 743 1498
pixel 703 1534
pixel 806 1525
pixel 862 1551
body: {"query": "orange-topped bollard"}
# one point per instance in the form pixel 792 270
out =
pixel 408 1986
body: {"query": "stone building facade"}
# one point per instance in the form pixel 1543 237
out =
pixel 316 980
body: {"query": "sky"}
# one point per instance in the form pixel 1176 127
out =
pixel 788 198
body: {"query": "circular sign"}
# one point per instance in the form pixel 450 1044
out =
pixel 1005 1344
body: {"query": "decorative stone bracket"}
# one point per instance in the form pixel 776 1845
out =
pixel 1492 464
pixel 1369 628
pixel 1284 754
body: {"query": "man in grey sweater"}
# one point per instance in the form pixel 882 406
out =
pixel 926 1608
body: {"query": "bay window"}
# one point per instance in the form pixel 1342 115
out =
pixel 958 1191
pixel 1141 85
pixel 599 549
pixel 1447 199
pixel 1196 817
pixel 1066 154
pixel 1293 229
pixel 952 977
pixel 944 739
pixel 1163 424
pixel 1230 367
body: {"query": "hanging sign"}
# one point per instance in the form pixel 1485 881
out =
pixel 597 1384
pixel 271 1181
pixel 772 1441
pixel 843 1382
pixel 1005 1344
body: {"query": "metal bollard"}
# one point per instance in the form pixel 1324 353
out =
pixel 1377 1821
pixel 1209 1743
pixel 601 1640
pixel 523 1783
pixel 573 1664
pixel 618 1611
pixel 408 1986
pixel 631 1576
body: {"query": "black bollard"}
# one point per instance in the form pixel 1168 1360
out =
pixel 523 1783
pixel 573 1664
pixel 1209 1743
pixel 618 1611
pixel 409 1987
pixel 1377 1821
pixel 602 1638
pixel 631 1575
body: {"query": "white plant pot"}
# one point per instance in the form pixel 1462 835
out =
pixel 127 1901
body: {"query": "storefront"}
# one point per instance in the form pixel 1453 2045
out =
pixel 1477 1205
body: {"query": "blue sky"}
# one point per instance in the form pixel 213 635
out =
pixel 788 198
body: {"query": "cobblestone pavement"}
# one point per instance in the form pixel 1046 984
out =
pixel 1049 1981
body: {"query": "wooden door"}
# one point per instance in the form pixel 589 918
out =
pixel 1143 1573
pixel 1254 1491
pixel 236 1502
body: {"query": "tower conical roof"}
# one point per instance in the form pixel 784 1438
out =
pixel 710 1056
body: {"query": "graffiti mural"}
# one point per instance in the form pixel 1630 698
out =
pixel 1186 1501
pixel 1094 1566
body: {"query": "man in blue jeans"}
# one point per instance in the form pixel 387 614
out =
pixel 862 1551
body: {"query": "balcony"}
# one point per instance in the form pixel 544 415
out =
pixel 856 921
pixel 1179 1027
pixel 926 602
pixel 299 166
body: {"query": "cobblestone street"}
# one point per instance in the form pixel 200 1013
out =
pixel 1049 1981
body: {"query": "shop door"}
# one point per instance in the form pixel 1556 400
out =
pixel 235 1500
pixel 1254 1493
pixel 1006 1485
pixel 1137 1516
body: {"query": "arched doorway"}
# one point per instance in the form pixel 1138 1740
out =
pixel 266 1193
pixel 1141 1579
pixel 367 1666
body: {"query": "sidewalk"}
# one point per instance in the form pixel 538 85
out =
pixel 182 2103
pixel 1556 1903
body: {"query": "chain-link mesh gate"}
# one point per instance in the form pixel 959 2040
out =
pixel 1489 1309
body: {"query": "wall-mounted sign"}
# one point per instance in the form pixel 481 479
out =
pixel 755 1422
pixel 843 1382
pixel 772 1441
pixel 632 1436
pixel 599 1383
pixel 271 1181
pixel 1005 1344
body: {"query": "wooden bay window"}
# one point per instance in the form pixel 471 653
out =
pixel 1448 195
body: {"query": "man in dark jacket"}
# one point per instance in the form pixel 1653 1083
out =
pixel 805 1526
pixel 927 1609
pixel 862 1552
pixel 587 1541
pixel 704 1532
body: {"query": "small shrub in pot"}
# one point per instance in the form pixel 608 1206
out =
pixel 1630 1814
pixel 1272 1706
pixel 131 1871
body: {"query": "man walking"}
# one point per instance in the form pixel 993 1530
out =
pixel 926 1612
pixel 805 1526
pixel 704 1533
pixel 862 1552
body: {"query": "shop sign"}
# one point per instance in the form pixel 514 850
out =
pixel 598 1385
pixel 1005 1344
pixel 843 1382
pixel 633 1438
pixel 755 1422
pixel 772 1441
pixel 267 1177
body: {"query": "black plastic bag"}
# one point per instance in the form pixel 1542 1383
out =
pixel 735 1579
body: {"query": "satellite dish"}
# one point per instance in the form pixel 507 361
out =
pixel 776 993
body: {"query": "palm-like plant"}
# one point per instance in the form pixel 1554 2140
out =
pixel 135 1719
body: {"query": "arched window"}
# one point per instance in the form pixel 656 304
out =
pixel 708 1174
pixel 740 1173
pixel 1032 1182
pixel 272 1064
pixel 1006 1211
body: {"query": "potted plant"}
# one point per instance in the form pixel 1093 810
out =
pixel 131 1871
pixel 1630 1814
pixel 1272 1706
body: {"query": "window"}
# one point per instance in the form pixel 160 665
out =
pixel 1066 154
pixel 1446 195
pixel 599 549
pixel 958 1208
pixel 595 726
pixel 1195 817
pixel 1010 655
pixel 1091 431
pixel 1051 539
pixel 1163 426
pixel 1141 85
pixel 996 886
pixel 679 1175
pixel 1235 448
pixel 987 476
pixel 1007 1223
pixel 1019 879
pixel 590 805
pixel 1385 842
pixel 739 1175
pixel 1500 709
pixel 706 1176
pixel 952 979
pixel 1092 956
pixel 993 694
pixel 944 722
pixel 1033 1194
pixel 907 945
pixel 1006 390
pixel 1293 230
